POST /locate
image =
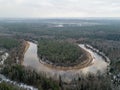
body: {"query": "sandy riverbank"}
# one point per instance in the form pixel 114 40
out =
pixel 82 65
pixel 26 46
pixel 93 65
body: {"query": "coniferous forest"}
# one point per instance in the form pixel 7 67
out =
pixel 59 45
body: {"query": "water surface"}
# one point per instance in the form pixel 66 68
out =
pixel 31 59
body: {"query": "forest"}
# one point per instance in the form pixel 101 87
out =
pixel 25 75
pixel 104 36
pixel 8 43
pixel 30 77
pixel 60 52
pixel 7 86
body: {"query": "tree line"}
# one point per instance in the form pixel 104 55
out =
pixel 21 74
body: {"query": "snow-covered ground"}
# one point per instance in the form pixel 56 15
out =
pixel 3 58
pixel 21 85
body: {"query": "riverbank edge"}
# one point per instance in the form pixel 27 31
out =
pixel 82 65
pixel 98 52
pixel 26 46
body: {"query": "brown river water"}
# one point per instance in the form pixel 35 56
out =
pixel 31 59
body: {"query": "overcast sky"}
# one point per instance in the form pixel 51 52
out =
pixel 59 8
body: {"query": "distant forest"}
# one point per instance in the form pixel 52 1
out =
pixel 101 34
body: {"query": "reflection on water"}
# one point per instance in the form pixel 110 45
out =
pixel 31 59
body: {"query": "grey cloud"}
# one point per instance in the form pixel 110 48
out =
pixel 59 8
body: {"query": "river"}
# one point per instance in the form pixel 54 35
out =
pixel 31 59
pixel 7 80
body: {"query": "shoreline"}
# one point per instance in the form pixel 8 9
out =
pixel 26 46
pixel 99 53
pixel 82 65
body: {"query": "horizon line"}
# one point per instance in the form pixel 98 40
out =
pixel 59 18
